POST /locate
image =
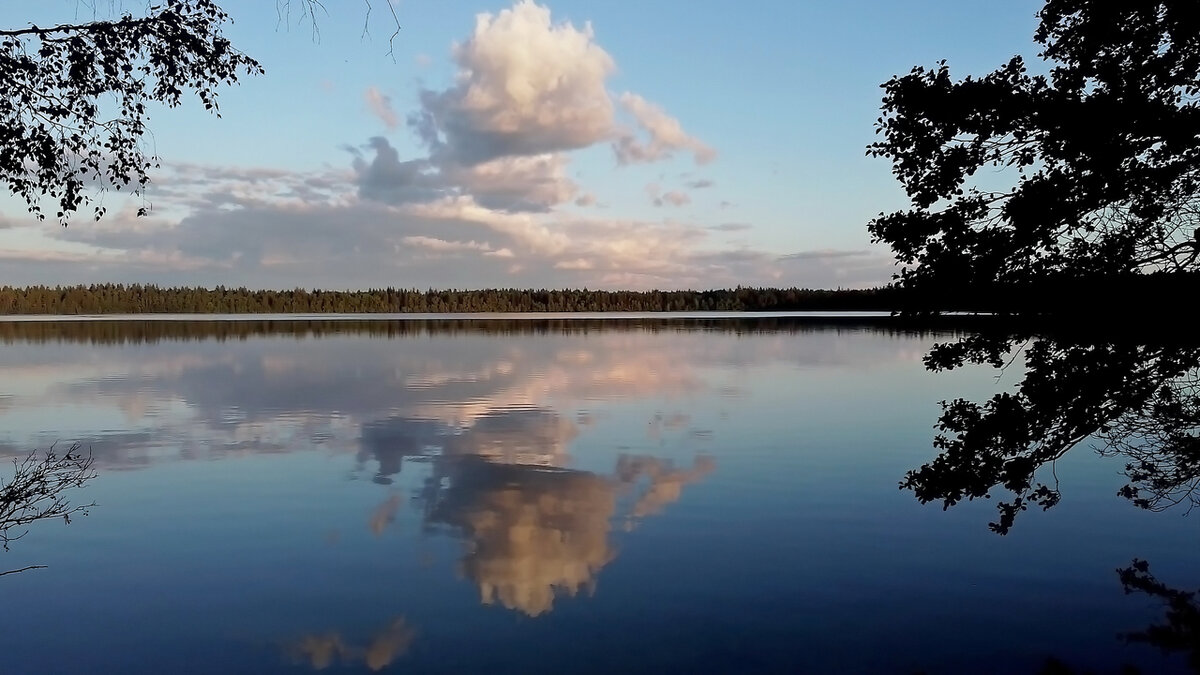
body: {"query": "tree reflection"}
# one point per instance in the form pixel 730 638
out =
pixel 1130 397
pixel 1126 396
pixel 1181 632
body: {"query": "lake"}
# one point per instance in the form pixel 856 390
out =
pixel 698 494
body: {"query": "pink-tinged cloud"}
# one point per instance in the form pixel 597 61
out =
pixel 380 106
pixel 665 135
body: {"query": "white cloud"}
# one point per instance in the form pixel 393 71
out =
pixel 526 86
pixel 666 135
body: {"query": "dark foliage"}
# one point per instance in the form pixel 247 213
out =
pixel 1097 212
pixel 74 101
pixel 1101 153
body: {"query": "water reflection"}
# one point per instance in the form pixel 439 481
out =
pixel 162 391
pixel 1134 397
pixel 1131 397
pixel 323 650
pixel 533 533
pixel 533 494
pixel 530 533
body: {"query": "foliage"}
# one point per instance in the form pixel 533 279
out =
pixel 35 491
pixel 1098 169
pixel 74 106
pixel 1101 150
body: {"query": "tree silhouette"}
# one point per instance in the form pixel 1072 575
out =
pixel 36 490
pixel 1100 152
pixel 73 110
pixel 1100 173
pixel 74 105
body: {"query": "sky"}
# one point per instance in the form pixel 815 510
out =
pixel 539 144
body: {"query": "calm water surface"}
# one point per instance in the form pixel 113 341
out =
pixel 632 496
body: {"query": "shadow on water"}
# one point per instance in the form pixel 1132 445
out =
pixel 1119 393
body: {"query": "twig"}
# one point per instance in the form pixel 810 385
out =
pixel 31 567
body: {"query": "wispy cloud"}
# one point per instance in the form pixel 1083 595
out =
pixel 380 105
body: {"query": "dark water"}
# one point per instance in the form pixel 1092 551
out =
pixel 637 496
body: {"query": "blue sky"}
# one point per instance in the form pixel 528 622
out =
pixel 582 144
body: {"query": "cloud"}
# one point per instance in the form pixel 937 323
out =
pixel 493 184
pixel 666 135
pixel 442 246
pixel 823 254
pixel 380 105
pixel 526 86
pixel 576 264
pixel 519 183
pixel 276 229
pixel 673 197
pixel 730 227
pixel 700 184
pixel 389 180
pixel 525 183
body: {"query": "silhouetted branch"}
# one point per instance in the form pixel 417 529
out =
pixel 24 569
pixel 308 10
pixel 36 490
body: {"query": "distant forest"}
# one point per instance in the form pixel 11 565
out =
pixel 142 299
pixel 1127 293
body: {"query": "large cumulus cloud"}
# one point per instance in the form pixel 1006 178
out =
pixel 490 199
pixel 526 86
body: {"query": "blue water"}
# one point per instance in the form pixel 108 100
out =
pixel 627 499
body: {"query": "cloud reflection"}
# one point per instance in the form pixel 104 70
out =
pixel 536 533
pixel 324 650
pixel 532 533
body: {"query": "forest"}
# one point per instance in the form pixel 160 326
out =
pixel 1069 296
pixel 145 299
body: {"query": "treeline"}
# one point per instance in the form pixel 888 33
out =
pixel 143 299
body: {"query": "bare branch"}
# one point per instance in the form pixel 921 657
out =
pixel 36 490
pixel 24 569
